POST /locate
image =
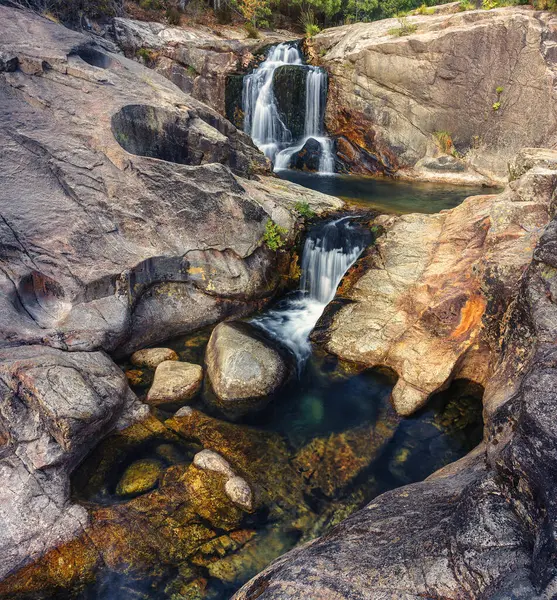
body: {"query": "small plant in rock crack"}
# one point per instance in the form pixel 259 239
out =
pixel 274 235
pixel 497 105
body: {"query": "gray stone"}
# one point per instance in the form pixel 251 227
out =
pixel 238 490
pixel 244 368
pixel 175 382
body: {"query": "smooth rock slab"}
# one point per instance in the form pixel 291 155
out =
pixel 244 368
pixel 152 357
pixel 175 382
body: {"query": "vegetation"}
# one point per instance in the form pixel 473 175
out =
pixel 274 235
pixel 308 23
pixel 424 9
pixel 304 210
pixel 445 143
pixel 404 28
pixel 309 15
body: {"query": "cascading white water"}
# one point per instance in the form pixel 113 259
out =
pixel 330 250
pixel 262 119
pixel 261 116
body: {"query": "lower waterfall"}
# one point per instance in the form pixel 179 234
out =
pixel 262 117
pixel 330 250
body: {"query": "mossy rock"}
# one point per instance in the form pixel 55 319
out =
pixel 140 477
pixel 289 88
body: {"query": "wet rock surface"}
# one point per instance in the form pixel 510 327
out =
pixel 384 120
pixel 289 88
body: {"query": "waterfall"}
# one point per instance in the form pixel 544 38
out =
pixel 261 115
pixel 262 119
pixel 330 250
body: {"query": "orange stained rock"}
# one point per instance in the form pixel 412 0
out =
pixel 470 316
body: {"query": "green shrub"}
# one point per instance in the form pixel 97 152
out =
pixel 308 23
pixel 405 28
pixel 304 210
pixel 144 54
pixel 496 106
pixel 499 90
pixel 150 4
pixel 444 141
pixel 173 16
pixel 274 235
pixel 424 9
pixel 466 5
pixel 251 30
pixel 312 30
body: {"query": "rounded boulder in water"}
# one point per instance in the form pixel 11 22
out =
pixel 245 368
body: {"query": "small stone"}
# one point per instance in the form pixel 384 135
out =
pixel 238 490
pixel 169 453
pixel 175 382
pixel 212 461
pixel 140 477
pixel 185 411
pixel 152 357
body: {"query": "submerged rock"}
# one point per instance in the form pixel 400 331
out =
pixel 175 382
pixel 245 369
pixel 152 357
pixel 238 490
pixel 140 477
pixel 212 461
pixel 308 158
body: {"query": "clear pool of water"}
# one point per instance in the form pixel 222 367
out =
pixel 388 195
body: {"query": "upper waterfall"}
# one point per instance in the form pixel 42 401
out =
pixel 262 117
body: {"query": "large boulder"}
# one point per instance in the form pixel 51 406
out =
pixel 198 60
pixel 470 74
pixel 244 368
pixel 182 246
pixel 436 281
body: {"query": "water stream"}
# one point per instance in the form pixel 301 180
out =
pixel 330 250
pixel 263 119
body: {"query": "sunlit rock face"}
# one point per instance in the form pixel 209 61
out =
pixel 433 297
pixel 468 74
